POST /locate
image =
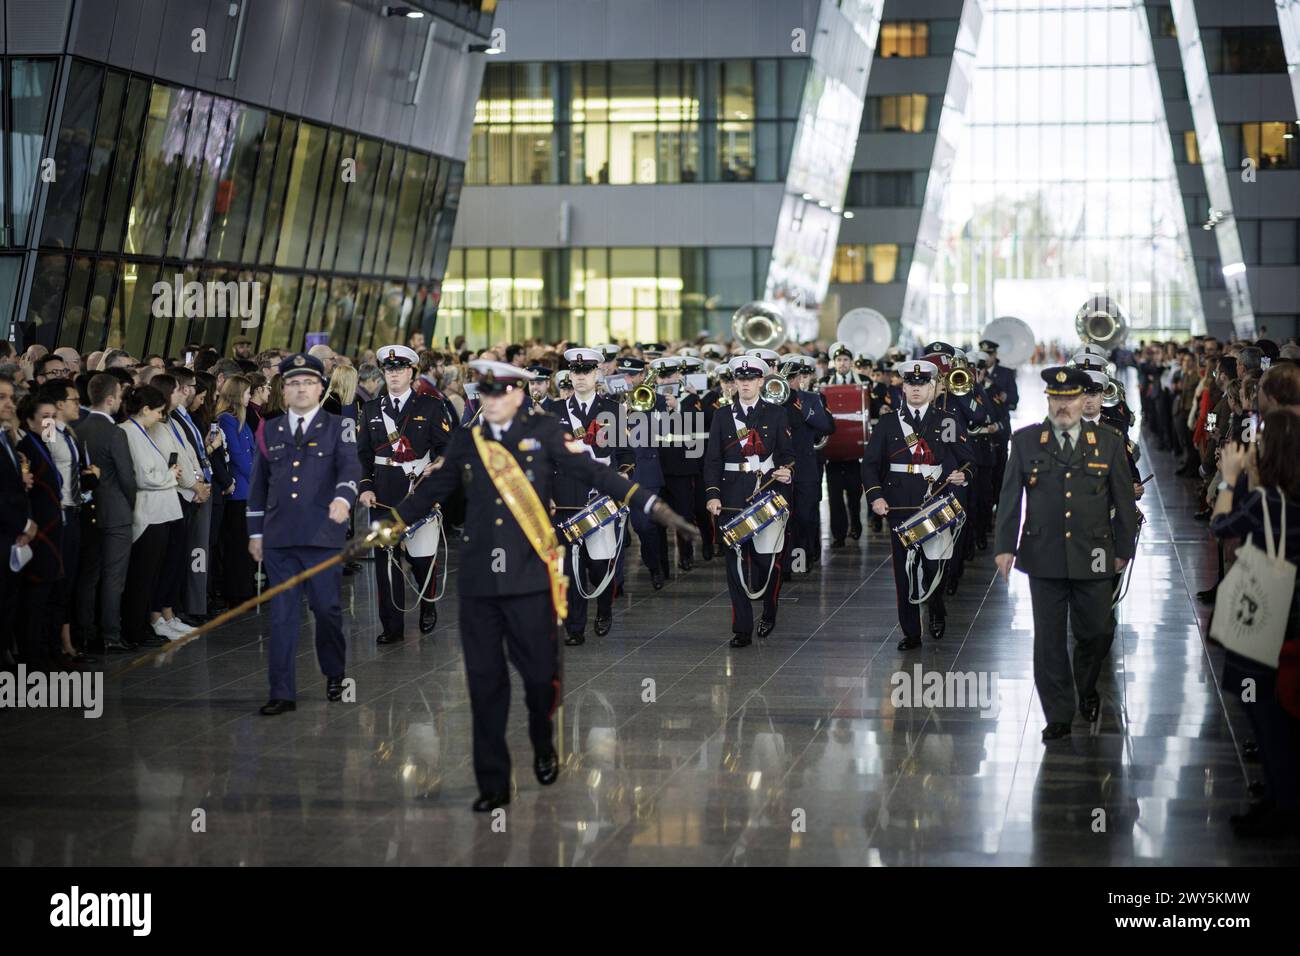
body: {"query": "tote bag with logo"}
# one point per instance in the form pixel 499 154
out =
pixel 1254 600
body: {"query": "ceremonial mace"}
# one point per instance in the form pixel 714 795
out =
pixel 382 535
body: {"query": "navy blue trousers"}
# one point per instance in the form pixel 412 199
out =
pixel 286 615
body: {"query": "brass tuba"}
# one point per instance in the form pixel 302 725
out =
pixel 1100 321
pixel 759 325
pixel 642 398
pixel 1113 394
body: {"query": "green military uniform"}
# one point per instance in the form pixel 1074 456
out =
pixel 1067 547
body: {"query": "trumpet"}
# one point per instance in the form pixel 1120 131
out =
pixel 959 381
pixel 642 398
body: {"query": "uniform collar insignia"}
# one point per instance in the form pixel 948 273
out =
pixel 1090 437
pixel 1042 439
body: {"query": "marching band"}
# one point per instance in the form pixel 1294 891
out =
pixel 713 454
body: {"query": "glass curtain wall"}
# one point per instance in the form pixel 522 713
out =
pixel 345 237
pixel 596 294
pixel 629 122
pixel 1064 183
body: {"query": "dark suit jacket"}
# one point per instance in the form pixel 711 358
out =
pixel 107 447
pixel 45 498
pixel 495 557
pixel 14 509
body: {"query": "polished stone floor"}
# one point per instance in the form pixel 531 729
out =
pixel 787 752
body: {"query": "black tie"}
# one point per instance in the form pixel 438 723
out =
pixel 76 469
pixel 1067 446
pixel 297 433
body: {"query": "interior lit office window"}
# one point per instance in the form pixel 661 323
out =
pixel 633 122
pixel 903 113
pixel 1191 151
pixel 875 263
pixel 1271 145
pixel 1063 184
pixel 907 38
pixel 596 294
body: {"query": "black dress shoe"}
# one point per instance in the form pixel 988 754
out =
pixel 574 638
pixel 740 640
pixel 707 552
pixel 1090 707
pixel 982 543
pixel 909 643
pixel 546 767
pixel 877 525
pixel 334 688
pixel 766 627
pixel 1208 596
pixel 153 640
pixel 657 580
pixel 950 588
pixel 1250 750
pixel 113 647
pixel 487 802
pixel 686 564
pixel 428 618
pixel 855 534
pixel 603 624
pixel 837 544
pixel 274 707
pixel 391 638
pixel 937 626
pixel 1055 731
pixel 1203 514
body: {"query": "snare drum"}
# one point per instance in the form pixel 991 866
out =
pixel 762 520
pixel 421 539
pixel 596 526
pixel 935 524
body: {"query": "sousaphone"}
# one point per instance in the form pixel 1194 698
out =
pixel 1099 321
pixel 866 332
pixel 1015 340
pixel 759 325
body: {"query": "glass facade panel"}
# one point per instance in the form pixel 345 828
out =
pixel 1063 183
pixel 30 86
pixel 907 38
pixel 72 148
pixel 171 181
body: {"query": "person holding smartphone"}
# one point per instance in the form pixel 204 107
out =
pixel 157 476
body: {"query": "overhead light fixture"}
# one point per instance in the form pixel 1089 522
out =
pixel 848 214
pixel 1234 269
pixel 488 48
pixel 807 197
pixel 411 13
pixel 836 209
pixel 823 203
pixel 1288 135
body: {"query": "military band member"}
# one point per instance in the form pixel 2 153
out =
pixel 1093 415
pixel 809 421
pixel 909 455
pixel 539 389
pixel 647 471
pixel 593 421
pixel 844 478
pixel 985 442
pixel 1079 530
pixel 749 442
pixel 1004 395
pixel 300 493
pixel 680 456
pixel 512 587
pixel 970 411
pixel 400 434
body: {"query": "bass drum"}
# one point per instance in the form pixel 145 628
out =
pixel 850 407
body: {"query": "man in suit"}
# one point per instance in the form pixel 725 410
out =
pixel 844 478
pixel 1079 531
pixel 749 442
pixel 197 505
pixel 909 455
pixel 648 461
pixel 16 525
pixel 38 605
pixel 303 486
pixel 400 433
pixel 106 520
pixel 1005 395
pixel 593 420
pixel 512 586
